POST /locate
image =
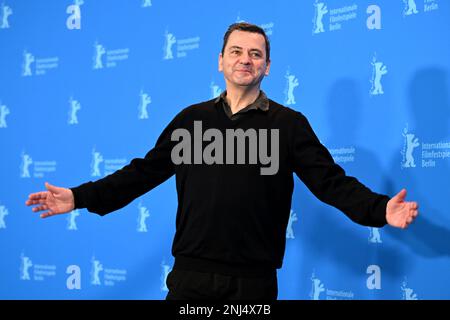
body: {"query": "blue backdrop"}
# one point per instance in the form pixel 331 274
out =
pixel 86 86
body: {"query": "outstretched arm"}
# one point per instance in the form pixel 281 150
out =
pixel 401 213
pixel 55 200
pixel 115 190
pixel 328 181
pixel 141 175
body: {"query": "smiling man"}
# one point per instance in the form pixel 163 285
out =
pixel 232 219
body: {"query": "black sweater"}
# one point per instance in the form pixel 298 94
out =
pixel 230 218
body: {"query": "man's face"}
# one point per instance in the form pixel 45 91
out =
pixel 243 62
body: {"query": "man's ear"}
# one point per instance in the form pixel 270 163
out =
pixel 267 68
pixel 220 62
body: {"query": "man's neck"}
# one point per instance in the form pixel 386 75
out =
pixel 238 98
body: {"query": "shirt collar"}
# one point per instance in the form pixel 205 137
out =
pixel 262 102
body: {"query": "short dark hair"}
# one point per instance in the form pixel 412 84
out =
pixel 248 27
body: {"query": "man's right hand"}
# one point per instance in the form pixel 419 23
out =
pixel 56 200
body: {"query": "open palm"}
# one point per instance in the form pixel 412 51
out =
pixel 56 200
pixel 401 213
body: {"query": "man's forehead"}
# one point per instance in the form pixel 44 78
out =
pixel 245 39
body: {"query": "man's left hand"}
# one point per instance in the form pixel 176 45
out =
pixel 401 213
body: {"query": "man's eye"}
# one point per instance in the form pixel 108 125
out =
pixel 256 55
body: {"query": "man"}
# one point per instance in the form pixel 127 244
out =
pixel 232 215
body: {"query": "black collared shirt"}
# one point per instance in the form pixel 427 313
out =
pixel 261 103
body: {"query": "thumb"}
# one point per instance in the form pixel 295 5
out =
pixel 51 188
pixel 399 197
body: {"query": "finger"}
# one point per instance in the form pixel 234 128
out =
pixel 413 205
pixel 409 220
pixel 51 188
pixel 47 214
pixel 32 202
pixel 401 195
pixel 38 195
pixel 413 213
pixel 40 208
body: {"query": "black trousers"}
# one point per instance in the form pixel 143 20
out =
pixel 194 285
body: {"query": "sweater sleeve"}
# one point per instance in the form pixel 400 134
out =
pixel 315 166
pixel 136 178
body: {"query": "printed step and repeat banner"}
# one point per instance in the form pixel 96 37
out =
pixel 86 86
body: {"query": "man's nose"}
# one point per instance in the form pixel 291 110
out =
pixel 245 58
